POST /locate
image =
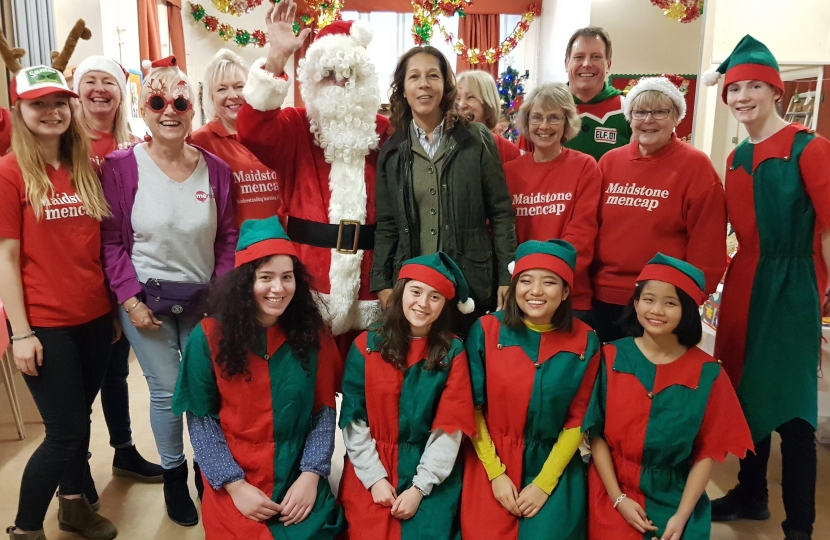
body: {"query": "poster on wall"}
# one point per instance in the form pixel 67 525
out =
pixel 134 91
pixel 687 87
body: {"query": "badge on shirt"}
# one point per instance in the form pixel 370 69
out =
pixel 605 135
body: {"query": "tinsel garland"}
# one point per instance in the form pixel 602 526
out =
pixel 426 13
pixel 684 11
pixel 236 7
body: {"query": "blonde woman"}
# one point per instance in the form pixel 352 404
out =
pixel 102 110
pixel 255 191
pixel 478 96
pixel 171 232
pixel 53 290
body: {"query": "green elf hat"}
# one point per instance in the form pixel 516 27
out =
pixel 440 272
pixel 751 60
pixel 686 277
pixel 260 238
pixel 558 256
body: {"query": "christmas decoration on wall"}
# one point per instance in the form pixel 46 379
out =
pixel 426 13
pixel 684 11
pixel 236 7
pixel 493 54
pixel 511 91
pixel 687 85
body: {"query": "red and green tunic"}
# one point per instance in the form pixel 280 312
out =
pixel 265 416
pixel 532 386
pixel 658 420
pixel 401 409
pixel 769 334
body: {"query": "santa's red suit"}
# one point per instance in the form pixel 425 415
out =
pixel 325 157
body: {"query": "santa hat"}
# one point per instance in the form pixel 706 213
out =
pixel 686 277
pixel 104 65
pixel 38 81
pixel 661 84
pixel 750 60
pixel 441 273
pixel 262 238
pixel 342 35
pixel 167 62
pixel 558 256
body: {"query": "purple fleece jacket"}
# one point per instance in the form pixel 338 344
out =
pixel 119 177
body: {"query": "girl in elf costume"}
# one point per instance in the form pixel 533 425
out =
pixel 533 366
pixel 662 412
pixel 406 405
pixel 769 335
pixel 258 389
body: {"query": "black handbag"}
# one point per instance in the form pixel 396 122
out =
pixel 174 297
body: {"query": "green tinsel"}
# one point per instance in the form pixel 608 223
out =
pixel 242 38
pixel 295 27
pixel 198 13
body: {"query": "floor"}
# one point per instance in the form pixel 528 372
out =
pixel 138 509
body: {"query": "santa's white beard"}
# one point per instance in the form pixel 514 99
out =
pixel 343 121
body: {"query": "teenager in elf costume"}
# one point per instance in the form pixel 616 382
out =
pixel 325 156
pixel 662 412
pixel 533 366
pixel 778 195
pixel 257 382
pixel 406 406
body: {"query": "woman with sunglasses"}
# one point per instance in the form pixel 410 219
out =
pixel 171 232
pixel 658 194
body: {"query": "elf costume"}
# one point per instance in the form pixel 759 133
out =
pixel 604 126
pixel 406 426
pixel 531 386
pixel 769 334
pixel 658 420
pixel 265 425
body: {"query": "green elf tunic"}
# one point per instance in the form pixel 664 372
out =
pixel 401 409
pixel 658 420
pixel 533 386
pixel 265 416
pixel 769 334
pixel 604 126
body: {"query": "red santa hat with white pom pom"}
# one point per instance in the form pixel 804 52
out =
pixel 342 35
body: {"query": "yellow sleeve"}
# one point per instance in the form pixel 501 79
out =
pixel 560 455
pixel 485 449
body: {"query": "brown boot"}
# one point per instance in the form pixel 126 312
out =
pixel 77 516
pixel 34 535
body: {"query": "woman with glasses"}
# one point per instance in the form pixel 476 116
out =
pixel 658 194
pixel 172 230
pixel 555 190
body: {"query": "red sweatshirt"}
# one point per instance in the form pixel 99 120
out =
pixel 507 150
pixel 672 202
pixel 559 199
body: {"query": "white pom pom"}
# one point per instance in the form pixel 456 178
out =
pixel 146 64
pixel 467 307
pixel 710 78
pixel 361 33
pixel 511 266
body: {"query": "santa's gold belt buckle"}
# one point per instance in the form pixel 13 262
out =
pixel 353 249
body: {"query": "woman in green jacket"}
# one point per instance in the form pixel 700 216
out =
pixel 440 186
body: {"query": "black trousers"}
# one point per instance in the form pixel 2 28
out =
pixel 115 396
pixel 798 474
pixel 74 362
pixel 606 321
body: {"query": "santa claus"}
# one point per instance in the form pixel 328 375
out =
pixel 324 155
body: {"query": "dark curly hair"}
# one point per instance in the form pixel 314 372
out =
pixel 401 114
pixel 394 333
pixel 231 301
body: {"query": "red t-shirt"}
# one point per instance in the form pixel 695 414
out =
pixel 60 254
pixel 5 130
pixel 559 199
pixel 672 202
pixel 100 147
pixel 255 188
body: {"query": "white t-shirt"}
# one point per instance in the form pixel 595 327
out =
pixel 174 224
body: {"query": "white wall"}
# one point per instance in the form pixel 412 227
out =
pixel 67 12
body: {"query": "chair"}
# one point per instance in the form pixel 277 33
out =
pixel 8 374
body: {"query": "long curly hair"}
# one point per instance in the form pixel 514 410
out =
pixel 231 301
pixel 401 112
pixel 394 333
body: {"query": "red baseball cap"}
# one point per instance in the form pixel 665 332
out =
pixel 38 81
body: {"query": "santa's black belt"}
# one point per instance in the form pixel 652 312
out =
pixel 346 237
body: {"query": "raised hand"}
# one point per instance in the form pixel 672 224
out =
pixel 282 42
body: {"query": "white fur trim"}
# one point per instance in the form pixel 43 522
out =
pixel 511 266
pixel 710 78
pixel 466 307
pixel 363 314
pixel 263 91
pixel 147 64
pixel 662 85
pixel 104 65
pixel 361 33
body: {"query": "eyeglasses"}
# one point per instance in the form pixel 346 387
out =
pixel 553 119
pixel 158 104
pixel 659 114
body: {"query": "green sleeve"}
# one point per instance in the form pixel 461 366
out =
pixel 475 356
pixel 594 421
pixel 386 232
pixel 196 390
pixel 353 405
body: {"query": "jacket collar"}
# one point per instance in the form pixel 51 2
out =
pixel 459 133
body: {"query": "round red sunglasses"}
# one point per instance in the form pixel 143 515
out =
pixel 159 103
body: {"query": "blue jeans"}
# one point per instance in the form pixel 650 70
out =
pixel 159 355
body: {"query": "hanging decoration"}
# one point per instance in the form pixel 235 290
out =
pixel 684 11
pixel 510 85
pixel 426 13
pixel 236 7
pixel 322 13
pixel 493 54
pixel 226 32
